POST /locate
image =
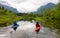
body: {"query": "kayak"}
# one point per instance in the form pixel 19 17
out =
pixel 15 26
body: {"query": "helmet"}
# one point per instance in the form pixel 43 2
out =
pixel 37 22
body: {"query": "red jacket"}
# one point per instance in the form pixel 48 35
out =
pixel 37 28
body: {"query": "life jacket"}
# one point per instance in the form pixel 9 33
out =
pixel 15 25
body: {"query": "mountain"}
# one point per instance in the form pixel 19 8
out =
pixel 9 8
pixel 27 6
pixel 48 6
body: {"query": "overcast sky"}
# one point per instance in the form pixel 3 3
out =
pixel 27 5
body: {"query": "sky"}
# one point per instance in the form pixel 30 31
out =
pixel 27 5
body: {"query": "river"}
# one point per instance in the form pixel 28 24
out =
pixel 25 30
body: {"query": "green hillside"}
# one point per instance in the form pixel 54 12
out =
pixel 7 16
pixel 51 18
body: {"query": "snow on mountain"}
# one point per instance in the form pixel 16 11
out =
pixel 27 5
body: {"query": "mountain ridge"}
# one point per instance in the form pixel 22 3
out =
pixel 26 6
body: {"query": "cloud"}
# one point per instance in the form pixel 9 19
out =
pixel 28 5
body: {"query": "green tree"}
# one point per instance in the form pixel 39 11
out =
pixel 51 17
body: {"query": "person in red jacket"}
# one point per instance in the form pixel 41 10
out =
pixel 37 28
